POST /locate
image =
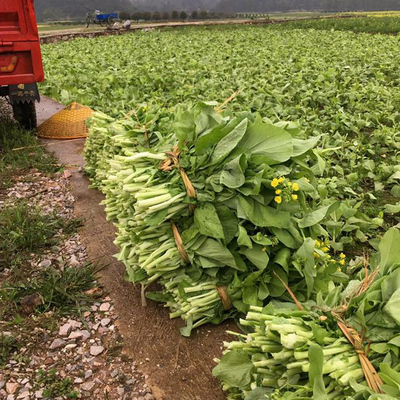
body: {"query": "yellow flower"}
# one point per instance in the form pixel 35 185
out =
pixel 342 255
pixel 296 187
pixel 334 261
pixel 316 255
pixel 279 191
pixel 289 183
pixel 339 269
pixel 318 243
pixel 294 197
pixel 315 267
pixel 275 182
pixel 325 249
pixel 281 179
pixel 278 199
pixel 341 262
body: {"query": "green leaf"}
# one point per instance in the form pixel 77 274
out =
pixel 250 295
pixel 244 239
pixel 316 358
pixel 228 221
pixel 317 216
pixel 263 216
pixel 229 142
pixel 392 208
pixel 235 369
pixel 206 141
pixel 257 256
pixel 258 394
pixel 282 258
pixel 218 252
pixel 232 174
pixel 275 286
pixel 392 307
pixel 274 144
pixel 302 146
pixel 207 221
pixel 389 250
pixel 390 376
pixel 305 255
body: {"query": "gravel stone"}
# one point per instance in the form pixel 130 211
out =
pixel 57 343
pixel 88 386
pixel 105 321
pixel 65 329
pixel 76 335
pixel 45 264
pixel 96 350
pixel 105 306
pixel 11 387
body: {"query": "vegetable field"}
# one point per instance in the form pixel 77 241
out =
pixel 385 24
pixel 254 173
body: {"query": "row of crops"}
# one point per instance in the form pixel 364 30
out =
pixel 385 24
pixel 254 173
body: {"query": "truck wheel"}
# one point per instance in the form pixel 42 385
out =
pixel 25 114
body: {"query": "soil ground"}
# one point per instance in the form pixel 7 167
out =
pixel 178 368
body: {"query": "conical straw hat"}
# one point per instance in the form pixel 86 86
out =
pixel 68 123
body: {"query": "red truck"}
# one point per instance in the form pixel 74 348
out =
pixel 21 64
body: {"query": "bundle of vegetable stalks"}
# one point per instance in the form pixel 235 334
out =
pixel 221 210
pixel 344 345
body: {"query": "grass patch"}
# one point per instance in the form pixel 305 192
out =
pixel 8 346
pixel 55 386
pixel 12 136
pixel 24 230
pixel 60 291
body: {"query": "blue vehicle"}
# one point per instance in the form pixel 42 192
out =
pixel 95 17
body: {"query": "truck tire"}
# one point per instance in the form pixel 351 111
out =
pixel 25 114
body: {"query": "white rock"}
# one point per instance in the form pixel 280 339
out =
pixel 23 395
pixel 70 346
pixel 87 386
pixel 57 343
pixel 10 397
pixel 73 262
pixel 75 324
pixel 65 329
pixel 105 307
pixel 45 264
pixel 39 394
pixel 78 380
pixel 76 335
pixel 11 387
pixel 85 334
pixel 88 373
pixel 96 350
pixel 105 321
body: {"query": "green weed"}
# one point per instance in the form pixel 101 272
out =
pixel 8 346
pixel 54 386
pixel 30 153
pixel 24 229
pixel 61 291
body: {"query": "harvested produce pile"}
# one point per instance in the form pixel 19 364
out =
pixel 220 209
pixel 292 353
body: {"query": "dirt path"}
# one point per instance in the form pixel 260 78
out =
pixel 177 368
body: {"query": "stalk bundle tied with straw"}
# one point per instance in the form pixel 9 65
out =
pixel 179 244
pixel 171 162
pixel 356 340
pixel 224 295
